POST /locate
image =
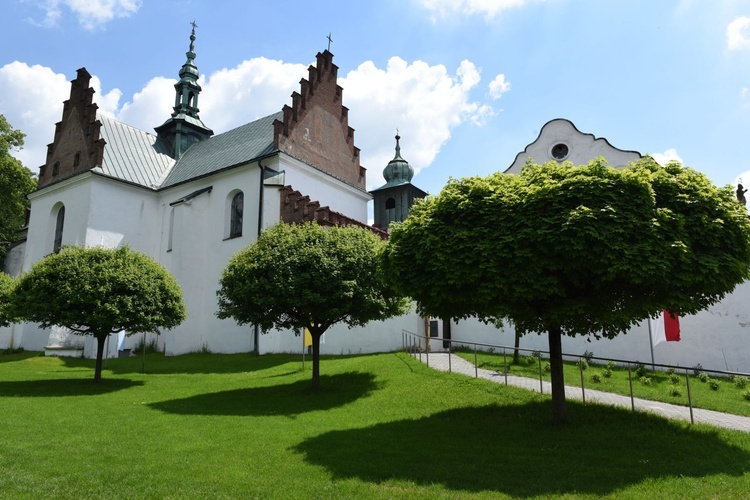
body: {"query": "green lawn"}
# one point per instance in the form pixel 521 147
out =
pixel 728 397
pixel 383 426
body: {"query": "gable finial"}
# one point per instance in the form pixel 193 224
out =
pixel 329 41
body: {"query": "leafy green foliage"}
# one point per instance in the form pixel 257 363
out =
pixel 99 291
pixel 7 283
pixel 16 182
pixel 308 276
pixel 587 250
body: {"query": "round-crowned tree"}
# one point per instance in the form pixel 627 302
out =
pixel 99 291
pixel 586 250
pixel 300 276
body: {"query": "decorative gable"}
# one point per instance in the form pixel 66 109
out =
pixel 77 146
pixel 315 128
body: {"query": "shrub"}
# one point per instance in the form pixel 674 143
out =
pixel 13 350
pixel 746 395
pixel 596 378
pixel 640 370
pixel 645 380
pixel 671 370
pixel 611 365
pixel 531 360
pixel 547 367
pixel 674 391
pixel 607 373
pixel 583 364
pixel 151 346
pixel 588 355
pixel 703 377
pixel 741 382
pixel 674 378
pixel 714 385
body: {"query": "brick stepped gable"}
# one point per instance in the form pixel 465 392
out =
pixel 296 208
pixel 315 128
pixel 78 145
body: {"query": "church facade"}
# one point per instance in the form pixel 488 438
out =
pixel 191 199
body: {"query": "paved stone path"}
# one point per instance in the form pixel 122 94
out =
pixel 451 362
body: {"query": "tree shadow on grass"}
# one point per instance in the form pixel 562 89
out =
pixel 286 399
pixel 48 388
pixel 515 451
pixel 195 363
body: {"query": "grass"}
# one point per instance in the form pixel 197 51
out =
pixel 653 385
pixel 382 426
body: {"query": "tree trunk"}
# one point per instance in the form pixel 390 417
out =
pixel 516 345
pixel 558 380
pixel 316 359
pixel 100 339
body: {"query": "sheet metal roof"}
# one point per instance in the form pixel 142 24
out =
pixel 133 155
pixel 235 147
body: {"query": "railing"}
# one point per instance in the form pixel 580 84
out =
pixel 420 344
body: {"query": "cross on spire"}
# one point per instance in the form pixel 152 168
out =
pixel 192 23
pixel 329 41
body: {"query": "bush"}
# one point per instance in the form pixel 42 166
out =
pixel 714 385
pixel 547 367
pixel 611 365
pixel 741 382
pixel 645 380
pixel 674 391
pixel 588 355
pixel 671 371
pixel 607 373
pixel 151 346
pixel 596 378
pixel 13 350
pixel 703 377
pixel 640 370
pixel 674 378
pixel 531 360
pixel 583 364
pixel 746 395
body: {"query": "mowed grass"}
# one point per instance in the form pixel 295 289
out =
pixel 382 426
pixel 727 397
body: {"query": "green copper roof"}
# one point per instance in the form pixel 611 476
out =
pixel 398 171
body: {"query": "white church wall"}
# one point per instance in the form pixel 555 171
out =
pixel 329 191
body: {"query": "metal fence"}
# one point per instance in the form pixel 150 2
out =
pixel 419 345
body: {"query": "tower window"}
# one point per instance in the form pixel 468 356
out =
pixel 390 203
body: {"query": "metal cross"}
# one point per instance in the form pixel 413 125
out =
pixel 193 25
pixel 329 41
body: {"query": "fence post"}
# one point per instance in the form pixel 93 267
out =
pixel 450 363
pixel 541 387
pixel 690 399
pixel 630 380
pixel 505 363
pixel 583 389
pixel 427 349
pixel 476 365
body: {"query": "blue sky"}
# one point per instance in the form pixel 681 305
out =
pixel 468 83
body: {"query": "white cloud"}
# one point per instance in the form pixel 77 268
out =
pixel 91 14
pixel 425 102
pixel 738 34
pixel 488 8
pixel 667 156
pixel 499 86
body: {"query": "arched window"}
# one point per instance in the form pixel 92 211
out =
pixel 390 203
pixel 59 230
pixel 235 223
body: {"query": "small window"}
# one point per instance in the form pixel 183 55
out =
pixel 59 230
pixel 56 168
pixel 170 236
pixel 235 223
pixel 560 151
pixel 77 161
pixel 390 203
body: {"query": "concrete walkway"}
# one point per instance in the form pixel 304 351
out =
pixel 451 362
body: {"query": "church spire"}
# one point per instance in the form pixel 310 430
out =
pixel 185 127
pixel 398 171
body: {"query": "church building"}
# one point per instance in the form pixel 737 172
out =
pixel 190 199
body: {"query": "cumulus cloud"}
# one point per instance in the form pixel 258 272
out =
pixel 667 156
pixel 499 86
pixel 738 34
pixel 488 8
pixel 91 14
pixel 425 102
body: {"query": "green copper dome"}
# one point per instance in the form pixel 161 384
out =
pixel 398 170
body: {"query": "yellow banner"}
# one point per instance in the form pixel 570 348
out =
pixel 308 338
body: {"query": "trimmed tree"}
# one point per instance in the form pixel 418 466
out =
pixel 308 276
pixel 16 182
pixel 7 284
pixel 588 250
pixel 99 291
